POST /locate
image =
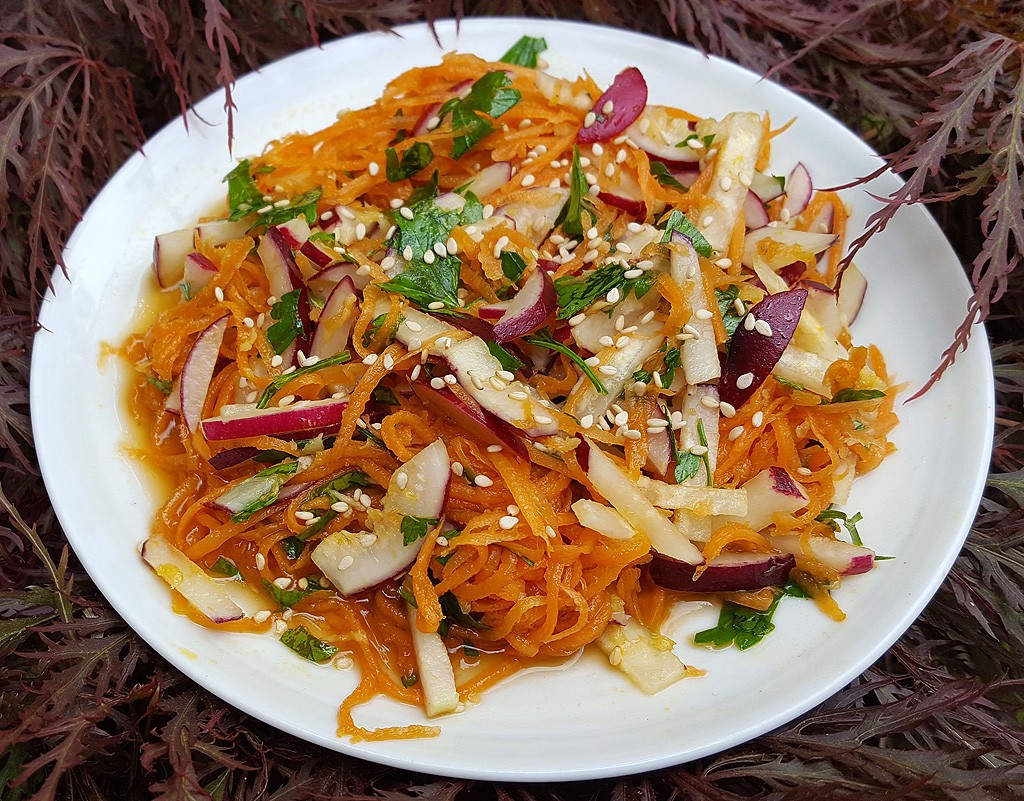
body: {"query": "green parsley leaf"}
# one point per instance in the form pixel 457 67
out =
pixel 307 646
pixel 677 221
pixel 830 516
pixel 280 381
pixel 489 95
pixel 288 598
pixel 186 290
pixel 292 547
pixel 508 361
pixel 413 160
pixel 577 215
pixel 385 396
pixel 665 177
pixel 790 384
pixel 225 567
pixel 289 322
pixel 525 52
pixel 452 610
pixel 414 528
pixel 162 385
pixel 644 376
pixel 742 626
pixel 853 395
pixel 726 297
pixel 512 265
pixel 673 359
pixel 545 340
pixel 705 140
pixel 243 195
pixel 302 206
pixel 353 478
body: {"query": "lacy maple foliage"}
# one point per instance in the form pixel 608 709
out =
pixel 89 711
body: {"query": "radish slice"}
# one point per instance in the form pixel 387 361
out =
pixel 493 311
pixel 530 309
pixel 635 207
pixel 616 109
pixel 702 500
pixel 798 191
pixel 646 659
pixel 218 232
pixel 844 558
pixel 758 344
pixel 457 405
pixel 232 456
pixel 727 572
pixel 186 577
pixel 658 133
pixel 323 283
pixel 311 417
pixel 755 213
pixel 615 486
pixel 295 232
pixel 852 288
pixel 625 194
pixel 603 519
pixel 417 489
pixel 766 187
pixel 770 492
pixel 781 246
pixel 199 271
pixel 742 133
pixel 317 253
pixel 276 255
pixel 490 179
pixel 198 372
pixel 434 667
pixel 336 320
pixel 169 251
pixel 423 124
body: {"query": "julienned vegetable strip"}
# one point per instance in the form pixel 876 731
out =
pixel 422 467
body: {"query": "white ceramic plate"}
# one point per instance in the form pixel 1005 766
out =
pixel 584 721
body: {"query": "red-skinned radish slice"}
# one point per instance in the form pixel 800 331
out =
pixel 766 187
pixel 282 272
pixel 318 254
pixel 232 456
pixel 624 193
pixel 727 572
pixel 658 133
pixel 169 251
pixel 602 519
pixel 198 372
pixel 798 191
pixel 323 283
pixel 615 486
pixel 458 406
pixel 199 271
pixel 219 232
pixel 493 311
pixel 634 207
pixel 758 344
pixel 530 309
pixel 303 418
pixel 434 668
pixel 295 232
pixel 339 313
pixel 419 489
pixel 842 557
pixel 186 577
pixel 427 121
pixel 852 288
pixel 627 97
pixel 490 179
pixel 755 213
pixel 781 246
pixel 772 491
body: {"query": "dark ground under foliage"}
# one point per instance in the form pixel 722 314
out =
pixel 88 711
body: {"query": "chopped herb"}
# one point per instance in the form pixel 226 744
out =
pixel 489 95
pixel 665 177
pixel 791 384
pixel 374 327
pixel 508 361
pixel 421 282
pixel 271 456
pixel 414 528
pixel 545 340
pixel 859 426
pixel 854 395
pixel 369 436
pixel 677 221
pixel 292 547
pixel 571 218
pixel 244 197
pixel 673 359
pixel 385 396
pixel 413 160
pixel 525 52
pixel 643 376
pixel 830 516
pixel 726 297
pixel 324 238
pixel 576 293
pixel 307 646
pixel 706 140
pixel 302 206
pixel 162 385
pixel 225 567
pixel 289 324
pixel 410 679
pixel 353 478
pixel 278 382
pixel 186 290
pixel 452 610
pixel 512 265
pixel 406 594
pixel 288 598
pixel 742 626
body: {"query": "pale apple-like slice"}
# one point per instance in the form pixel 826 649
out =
pixel 417 489
pixel 603 519
pixel 799 189
pixel 852 288
pixel 843 557
pixel 198 272
pixel 182 574
pixel 169 251
pixel 434 667
pixel 782 246
pixel 490 179
pixel 805 368
pixel 701 500
pixel 532 306
pixel 198 371
pixel 615 486
pixel 700 416
pixel 534 214
pixel 219 232
pixel 658 132
pixel 700 361
pixel 770 492
pixel 646 658
pixel 276 254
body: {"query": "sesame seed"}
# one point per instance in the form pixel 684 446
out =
pixel 406 212
pixel 727 409
pixel 703 314
pixel 373 168
pixel 483 481
pixel 725 182
pixel 699 450
pixel 550 531
pixel 528 179
pixel 407 253
pixel 620 156
pixel 370 358
pixel 280 204
pixel 442 541
pixel 444 343
pixel 613 295
pixel 437 383
pixel 507 375
pixel 498 383
pixel 784 215
pixel 543 419
pixel 401 479
pixel 261 561
pixel 607 369
pixel 725 263
pixel 487 212
pixel 586 421
pixel 219 294
pixel 639 388
pixel 518 395
pixel 277 361
pixel 592 361
pixel 286 400
pixel 429 257
pixel 632 433
pixel 709 403
pixel 622 341
pixel 451 246
pixel 451 380
pixel 340 507
pixel 416 370
pixel 590 119
pixel 283 582
pixel 706 221
pixel 360 230
pixel 389 361
pixel 656 376
pixel 476 381
pixel 803 471
pixel 494 449
pixel 693 332
pixel 606 341
pixel 621 418
pixel 744 381
pixel 457 468
pixel 508 521
pixel 749 322
pixel 346 562
pixel 763 328
pixel 435 304
pixel 757 419
pixel 248 322
pixel 577 319
pixel 736 433
pixel 737 304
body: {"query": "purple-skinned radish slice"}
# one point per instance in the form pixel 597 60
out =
pixel 336 318
pixel 324 282
pixel 493 311
pixel 615 486
pixel 490 179
pixel 798 191
pixel 844 558
pixel 304 418
pixel 232 456
pixel 781 246
pixel 755 213
pixel 633 206
pixel 417 489
pixel 623 192
pixel 530 309
pixel 191 581
pixel 617 108
pixel 772 491
pixel 169 251
pixel 197 373
pixel 758 344
pixel 459 406
pixel 276 254
pixel 199 271
pixel 727 572
pixel 852 288
pixel 766 187
pixel 427 121
pixel 318 254
pixel 659 133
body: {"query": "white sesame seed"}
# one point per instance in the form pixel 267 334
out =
pixel 699 450
pixel 416 370
pixel 607 369
pixel 457 468
pixel 725 182
pixel 586 421
pixel 736 433
pixel 373 168
pixel 487 211
pixel 370 358
pixel 451 380
pixel 437 383
pixel 709 403
pixel 340 507
pixel 706 221
pixel 283 582
pixel 507 375
pixel 346 562
pixel 744 381
pixel 518 395
pixel 483 481
pixel 508 521
pixel 622 341
pixel 613 295
pixel 621 418
pixel 803 471
pixel 749 322
pixel 606 341
pixel 429 257
pixel 632 433
pixel 389 361
pixel 693 332
pixel 451 247
pixel 757 419
pixel 401 479
pixel 703 314
pixel 550 531
pixel 406 212
pixel 476 381
pixel 590 119
pixel 528 179
pixel 784 214
pixel 248 322
pixel 543 419
pixel 727 409
pixel 494 449
pixel 725 263
pixel 763 328
pixel 286 400
pixel 261 561
pixel 592 361
pixel 436 304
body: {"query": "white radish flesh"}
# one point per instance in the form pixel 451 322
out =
pixel 198 372
pixel 187 578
